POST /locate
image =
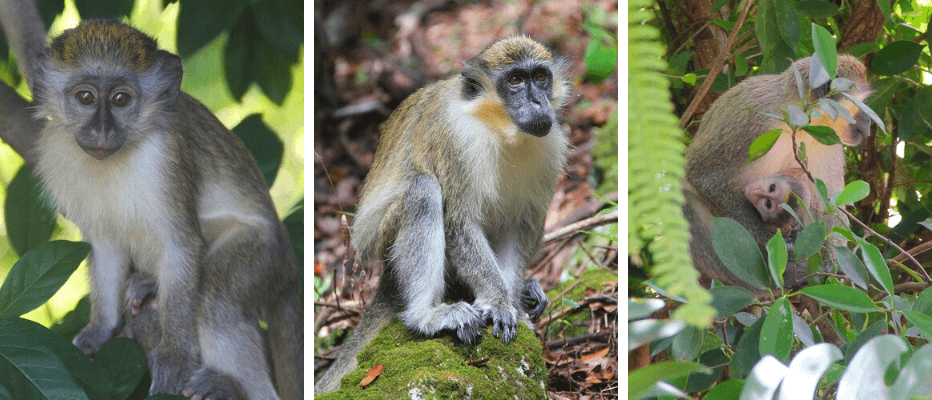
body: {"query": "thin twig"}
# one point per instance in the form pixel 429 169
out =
pixel 716 66
pixel 888 242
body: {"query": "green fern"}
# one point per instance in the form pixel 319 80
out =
pixel 655 167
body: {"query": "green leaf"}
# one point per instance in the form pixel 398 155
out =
pixel 739 252
pixel 787 22
pixel 776 258
pixel 824 46
pixel 30 218
pixel 852 193
pixel 868 367
pixel 896 58
pixel 728 300
pixel 294 223
pixel 115 9
pixel 640 381
pixel 727 390
pixel 923 303
pixel 867 110
pixel 200 21
pixel 38 275
pixel 601 60
pixel 766 26
pixel 914 117
pixel 920 321
pixel 913 380
pixel 841 297
pixel 747 351
pixel 809 240
pixel 822 134
pixel 123 363
pixel 263 144
pixel 282 25
pixel 776 336
pixel 876 265
pixel 863 337
pixel 816 9
pixel 643 308
pixel 851 266
pixel 762 144
pixel 236 66
pixel 272 71
pixel 689 79
pixel 30 353
pixel 687 343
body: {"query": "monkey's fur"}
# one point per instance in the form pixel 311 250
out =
pixel 456 199
pixel 769 192
pixel 157 184
pixel 716 170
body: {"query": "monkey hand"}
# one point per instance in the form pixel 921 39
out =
pixel 534 298
pixel 209 384
pixel 140 289
pixel 504 319
pixel 92 337
pixel 171 369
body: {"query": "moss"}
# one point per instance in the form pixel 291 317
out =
pixel 437 368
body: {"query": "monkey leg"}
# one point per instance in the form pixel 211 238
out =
pixel 417 265
pixel 236 290
pixel 107 269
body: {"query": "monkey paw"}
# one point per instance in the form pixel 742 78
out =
pixel 207 384
pixel 140 289
pixel 504 320
pixel 534 298
pixel 92 337
pixel 170 371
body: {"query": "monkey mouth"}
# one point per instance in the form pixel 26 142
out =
pixel 99 153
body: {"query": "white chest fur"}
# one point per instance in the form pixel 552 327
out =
pixel 112 200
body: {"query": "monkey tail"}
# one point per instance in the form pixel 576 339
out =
pixel 286 339
pixel 378 314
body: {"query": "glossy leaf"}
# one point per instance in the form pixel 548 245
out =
pixel 809 240
pixel 29 213
pixel 764 379
pixel 920 321
pixel 36 369
pixel 822 134
pixel 787 22
pixel 640 381
pixel 739 252
pixel 263 144
pixel 876 265
pixel 915 379
pixel 281 23
pixel 816 9
pixel 776 258
pixel 867 110
pixel 776 336
pixel 200 21
pixel 865 372
pixel 841 297
pixel 851 266
pixel 824 45
pixel 762 144
pixel 38 275
pixel 853 193
pixel 806 369
pixel 123 364
pixel 896 58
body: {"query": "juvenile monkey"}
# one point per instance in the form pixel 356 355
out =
pixel 456 199
pixel 717 175
pixel 769 192
pixel 157 184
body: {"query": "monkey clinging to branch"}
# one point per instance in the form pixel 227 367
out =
pixel 720 183
pixel 456 199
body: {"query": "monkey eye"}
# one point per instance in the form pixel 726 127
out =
pixel 86 97
pixel 120 99
pixel 514 80
pixel 541 76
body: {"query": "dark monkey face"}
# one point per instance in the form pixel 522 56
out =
pixel 526 89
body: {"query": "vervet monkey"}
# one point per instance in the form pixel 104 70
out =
pixel 769 192
pixel 157 184
pixel 456 199
pixel 717 174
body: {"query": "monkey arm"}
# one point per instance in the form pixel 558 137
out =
pixel 108 266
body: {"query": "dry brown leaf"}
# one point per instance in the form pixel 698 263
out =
pixel 591 358
pixel 371 375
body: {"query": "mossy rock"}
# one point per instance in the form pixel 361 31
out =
pixel 440 368
pixel 577 322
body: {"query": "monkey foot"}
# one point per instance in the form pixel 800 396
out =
pixel 207 384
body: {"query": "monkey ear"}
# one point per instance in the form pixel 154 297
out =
pixel 167 73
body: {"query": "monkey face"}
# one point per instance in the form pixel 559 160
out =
pixel 101 115
pixel 526 90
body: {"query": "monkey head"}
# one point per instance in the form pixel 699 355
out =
pixel 105 82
